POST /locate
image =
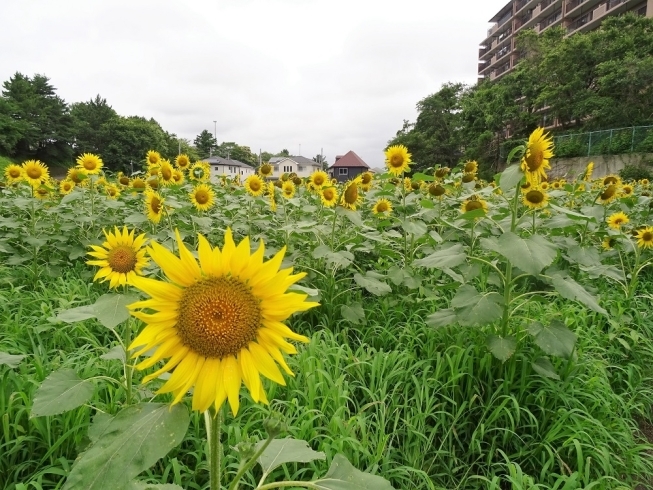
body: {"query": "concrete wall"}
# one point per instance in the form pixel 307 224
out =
pixel 604 165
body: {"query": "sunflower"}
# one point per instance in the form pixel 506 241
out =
pixel 556 184
pixel 544 186
pixel 442 172
pixel 365 178
pixel 154 170
pixel 329 196
pixel 644 182
pixel 178 176
pixel 121 257
pixel 588 172
pixel 350 197
pixel 535 198
pixel 265 170
pixel 284 177
pixel 182 162
pixel 122 179
pixel 153 183
pixel 152 158
pixel 166 173
pixel 539 150
pixel 627 190
pixel 288 189
pixel 470 167
pixel 297 181
pixel 218 323
pixel 112 191
pixel 397 159
pixel 273 203
pixel 35 173
pixel 200 171
pixel 138 183
pixel 66 186
pixel 617 219
pixel 436 190
pixel 319 179
pixel 153 206
pixel 101 182
pixel 382 206
pixel 202 197
pixel 608 243
pixel 645 237
pixel 77 175
pixel 41 192
pixel 13 173
pixel 474 203
pixel 90 163
pixel 611 179
pixel 254 185
pixel 408 185
pixel 467 178
pixel 608 194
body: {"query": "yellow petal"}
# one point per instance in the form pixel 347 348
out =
pixel 170 264
pixel 231 378
pixel 158 289
pixel 205 253
pixel 188 261
pixel 204 394
pixel 182 372
pixel 251 377
pixel 192 380
pixel 265 364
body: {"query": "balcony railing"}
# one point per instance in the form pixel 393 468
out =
pixel 504 35
pixel 613 3
pixel 573 4
pixel 502 52
pixel 502 69
pixel 545 4
pixel 520 5
pixel 580 22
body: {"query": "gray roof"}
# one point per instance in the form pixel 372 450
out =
pixel 215 160
pixel 296 159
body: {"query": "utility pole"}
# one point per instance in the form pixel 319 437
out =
pixel 300 149
pixel 215 131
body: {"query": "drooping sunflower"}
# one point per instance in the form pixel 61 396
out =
pixel 154 170
pixel 467 178
pixel 408 185
pixel 442 172
pixel 202 197
pixel 219 323
pixel 319 179
pixel 616 220
pixel 382 206
pixel 397 159
pixel 138 184
pixel 166 173
pixel 66 187
pixel 254 185
pixel 297 181
pixel 588 172
pixel 42 192
pixel 90 163
pixel 13 173
pixel 436 190
pixel 112 191
pixel 608 243
pixel 288 190
pixel 182 162
pixel 535 198
pixel 474 203
pixel 265 170
pixel 178 176
pixel 121 257
pixel 273 203
pixel 200 172
pixel 153 206
pixel 611 179
pixel 35 173
pixel 152 158
pixel 535 161
pixel 329 196
pixel 627 190
pixel 77 175
pixel 470 167
pixel 350 197
pixel 645 237
pixel 153 182
pixel 608 194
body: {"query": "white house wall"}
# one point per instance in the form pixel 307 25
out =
pixel 289 166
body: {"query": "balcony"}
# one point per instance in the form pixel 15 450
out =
pixel 613 3
pixel 503 52
pixel 580 22
pixel 573 4
pixel 520 5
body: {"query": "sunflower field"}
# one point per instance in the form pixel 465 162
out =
pixel 174 329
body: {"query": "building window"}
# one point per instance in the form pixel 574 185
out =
pixel 343 171
pixel 287 168
pixel 300 168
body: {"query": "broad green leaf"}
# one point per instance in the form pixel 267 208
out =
pixel 340 259
pixel 111 309
pixel 353 216
pixel 353 313
pixel 476 213
pixel 501 348
pixel 116 352
pixel 135 219
pixel 203 221
pixel 427 204
pixel 543 367
pixel 419 177
pixel 11 360
pixel 73 196
pixel 555 339
pixel 414 227
pixel 474 308
pixel 442 318
pixel 321 251
pixel 372 284
pixel 446 257
pixel 287 450
pixel 586 256
pixel 76 314
pixel 531 254
pixel 129 443
pixel 510 177
pixel 570 289
pixel 571 213
pixel 139 485
pixel 343 476
pixel 63 390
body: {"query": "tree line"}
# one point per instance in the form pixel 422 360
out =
pixel 600 79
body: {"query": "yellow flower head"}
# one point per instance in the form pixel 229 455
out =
pixel 13 173
pixel 382 206
pixel 588 172
pixel 90 163
pixel 617 220
pixel 436 190
pixel 535 198
pixel 288 189
pixel 645 237
pixel 35 173
pixel 319 179
pixel 200 172
pixel 166 173
pixel 202 197
pixel 329 196
pixel 66 187
pixel 397 159
pixel 408 185
pixel 121 257
pixel 178 176
pixel 366 178
pixel 220 323
pixel 153 183
pixel 254 185
pixel 152 158
pixel 470 167
pixel 608 243
pixel 77 175
pixel 611 179
pixel 467 178
pixel 539 150
pixel 350 197
pixel 42 192
pixel 123 180
pixel 112 191
pixel 609 194
pixel 153 206
pixel 265 170
pixel 271 189
pixel 182 162
pixel 474 203
pixel 138 183
pixel 627 190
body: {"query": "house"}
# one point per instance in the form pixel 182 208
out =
pixel 302 166
pixel 347 167
pixel 232 168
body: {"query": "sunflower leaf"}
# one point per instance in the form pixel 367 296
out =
pixel 510 177
pixel 287 450
pixel 111 309
pixel 530 255
pixel 442 318
pixel 139 485
pixel 570 289
pixel 372 284
pixel 555 339
pixel 10 360
pixel 474 308
pixel 502 348
pixel 77 314
pixel 544 367
pixel 343 476
pixel 128 444
pixel 446 257
pixel 353 313
pixel 61 391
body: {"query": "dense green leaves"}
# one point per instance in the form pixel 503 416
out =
pixel 529 254
pixel 448 256
pixel 11 360
pixel 63 390
pixel 501 348
pixel 570 289
pixel 554 339
pixel 474 308
pixel 287 450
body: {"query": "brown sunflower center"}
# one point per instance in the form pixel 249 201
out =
pixel 89 164
pixel 397 160
pixel 14 173
pixel 469 178
pixel 201 196
pixel 627 190
pixel 122 259
pixel 609 180
pixel 34 172
pixel 166 173
pixel 473 206
pixel 67 186
pixel 111 191
pixel 42 192
pixel 647 236
pixel 351 194
pixel 218 316
pixel 182 162
pixel 436 190
pixel 535 197
pixel 470 167
pixel 441 172
pixel 155 205
pixel 609 192
pixel 255 185
pixel 382 207
pixel 266 169
pixel 138 184
pixel 124 180
pixel 328 194
pixel 534 160
pixel 153 183
pixel 365 179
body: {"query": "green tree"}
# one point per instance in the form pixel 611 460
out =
pixel 205 143
pixel 322 160
pixel 88 120
pixel 128 140
pixel 283 153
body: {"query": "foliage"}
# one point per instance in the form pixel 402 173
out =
pixel 636 172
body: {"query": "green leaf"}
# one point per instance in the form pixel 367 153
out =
pixel 531 255
pixel 10 360
pixel 111 309
pixel 476 213
pixel 343 476
pixel 510 177
pixel 127 445
pixel 474 308
pixel 427 204
pixel 321 251
pixel 543 367
pixel 372 284
pixel 73 196
pixel 287 450
pixel 63 390
pixel 419 177
pixel 442 318
pixel 135 219
pixel 586 256
pixel 570 289
pixel 571 213
pixel 555 339
pixel 203 221
pixel 353 313
pixel 76 314
pixel 501 348
pixel 447 257
pixel 414 227
pixel 139 485
pixel 116 352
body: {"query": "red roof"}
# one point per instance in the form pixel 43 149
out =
pixel 350 159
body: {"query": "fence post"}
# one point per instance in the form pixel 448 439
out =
pixel 589 145
pixel 610 143
pixel 632 141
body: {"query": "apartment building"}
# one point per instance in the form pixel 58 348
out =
pixel 497 54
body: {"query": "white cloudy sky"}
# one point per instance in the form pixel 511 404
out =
pixel 334 74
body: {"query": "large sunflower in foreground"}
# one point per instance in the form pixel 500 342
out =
pixel 90 163
pixel 121 257
pixel 202 197
pixel 13 173
pixel 218 323
pixel 397 159
pixel 645 237
pixel 539 150
pixel 35 173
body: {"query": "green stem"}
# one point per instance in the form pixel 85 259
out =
pixel 282 484
pixel 248 465
pixel 333 227
pixel 129 370
pixel 214 428
pixel 507 285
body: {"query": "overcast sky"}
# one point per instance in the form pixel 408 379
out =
pixel 335 74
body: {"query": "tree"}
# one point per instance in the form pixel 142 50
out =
pixel 230 149
pixel 265 156
pixel 88 119
pixel 322 160
pixel 205 143
pixel 283 153
pixel 128 140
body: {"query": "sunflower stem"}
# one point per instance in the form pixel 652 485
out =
pixel 333 228
pixel 213 421
pixel 249 464
pixel 129 371
pixel 281 484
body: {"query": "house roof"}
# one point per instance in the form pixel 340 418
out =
pixel 350 159
pixel 297 159
pixel 215 160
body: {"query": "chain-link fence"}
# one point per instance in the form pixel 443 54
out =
pixel 638 139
